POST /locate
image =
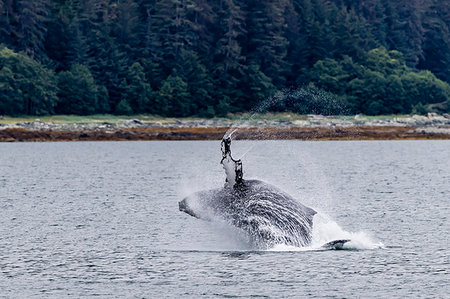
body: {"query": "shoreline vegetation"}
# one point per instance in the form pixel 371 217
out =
pixel 210 58
pixel 250 127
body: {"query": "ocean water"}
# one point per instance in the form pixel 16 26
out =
pixel 85 219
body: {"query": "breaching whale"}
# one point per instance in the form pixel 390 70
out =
pixel 267 214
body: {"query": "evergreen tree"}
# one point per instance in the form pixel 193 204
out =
pixel 267 44
pixel 8 19
pixel 125 25
pixel 374 11
pixel 137 91
pixel 424 87
pixel 260 88
pixel 436 44
pixel 123 108
pixel 173 33
pixel 351 35
pixel 172 97
pixel 58 36
pixel 103 100
pixel 32 18
pixel 383 85
pixel 26 86
pixel 104 57
pixel 230 54
pixel 199 84
pixel 405 30
pixel 151 48
pixel 229 60
pixel 78 93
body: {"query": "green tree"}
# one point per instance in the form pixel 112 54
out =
pixel 8 18
pixel 232 54
pixel 137 91
pixel 32 17
pixel 103 100
pixel 382 84
pixel 316 27
pixel 267 43
pixel 436 44
pixel 78 93
pixel 172 96
pixel 350 34
pixel 58 41
pixel 368 93
pixel 386 62
pixel 424 87
pixel 199 83
pixel 11 101
pixel 260 88
pixel 26 86
pixel 104 56
pixel 332 75
pixel 123 108
pixel 229 61
pixel 405 29
pixel 125 25
pixel 173 31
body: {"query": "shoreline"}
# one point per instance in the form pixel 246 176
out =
pixel 253 133
pixel 262 127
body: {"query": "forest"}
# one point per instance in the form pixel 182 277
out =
pixel 204 58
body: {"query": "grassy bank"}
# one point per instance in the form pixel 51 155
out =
pixel 95 118
pixel 251 126
pixel 110 118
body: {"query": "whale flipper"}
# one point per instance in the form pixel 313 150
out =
pixel 335 245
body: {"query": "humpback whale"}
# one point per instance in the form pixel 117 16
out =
pixel 267 214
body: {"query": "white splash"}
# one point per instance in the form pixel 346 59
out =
pixel 326 230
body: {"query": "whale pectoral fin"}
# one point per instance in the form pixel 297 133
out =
pixel 184 207
pixel 335 245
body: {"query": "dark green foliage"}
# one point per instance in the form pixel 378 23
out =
pixel 137 91
pixel 420 108
pixel 208 58
pixel 103 100
pixel 78 93
pixel 199 84
pixel 424 87
pixel 123 108
pixel 259 85
pixel 26 86
pixel 382 84
pixel 172 97
pixel 32 16
pixel 267 44
pixel 436 40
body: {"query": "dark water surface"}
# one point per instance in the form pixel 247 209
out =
pixel 101 219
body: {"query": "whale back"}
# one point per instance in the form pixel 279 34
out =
pixel 269 215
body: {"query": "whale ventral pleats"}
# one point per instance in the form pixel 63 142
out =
pixel 233 168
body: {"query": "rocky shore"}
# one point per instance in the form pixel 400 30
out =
pixel 311 127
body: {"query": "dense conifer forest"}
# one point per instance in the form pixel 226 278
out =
pixel 209 58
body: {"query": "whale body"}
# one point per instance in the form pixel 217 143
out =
pixel 268 215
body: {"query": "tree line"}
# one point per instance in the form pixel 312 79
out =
pixel 209 58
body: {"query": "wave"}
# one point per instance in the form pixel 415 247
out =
pixel 326 230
